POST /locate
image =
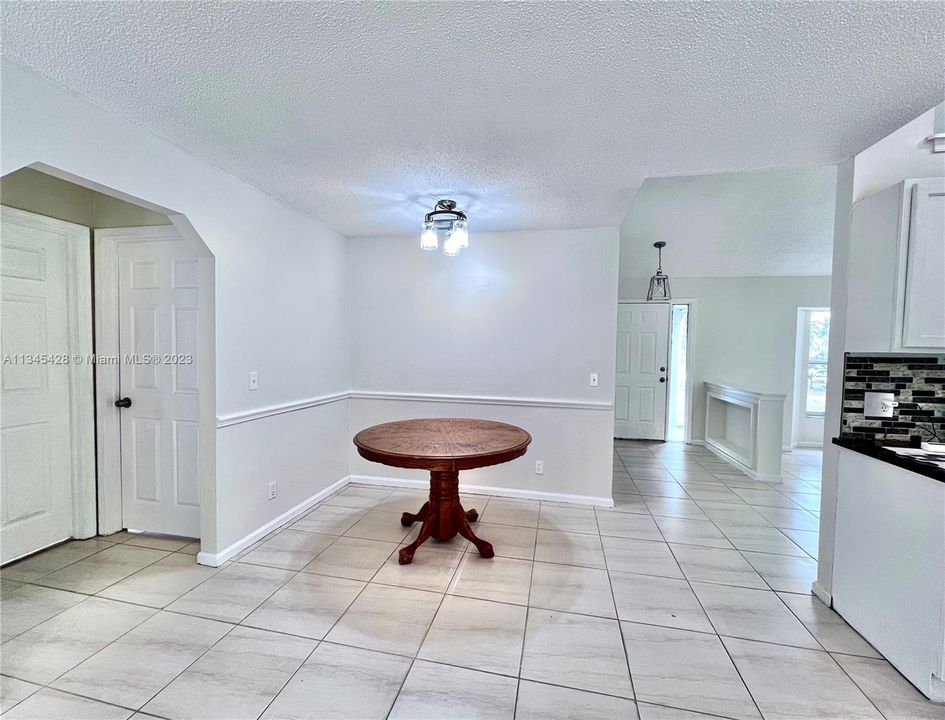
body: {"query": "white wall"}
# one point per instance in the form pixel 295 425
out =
pixel 743 333
pixel 510 329
pixel 281 294
pixel 902 155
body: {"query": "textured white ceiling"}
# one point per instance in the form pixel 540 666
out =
pixel 532 115
pixel 744 224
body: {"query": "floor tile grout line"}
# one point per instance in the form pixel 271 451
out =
pixel 740 551
pixel 190 665
pixel 528 600
pixel 712 624
pixel 623 639
pixel 127 577
pixel 75 694
pixel 289 679
pixel 416 655
pixel 838 665
pixel 65 542
pixel 858 687
pixel 84 598
pixel 109 643
pixel 163 687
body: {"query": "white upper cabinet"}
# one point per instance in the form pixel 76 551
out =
pixel 896 269
pixel 923 307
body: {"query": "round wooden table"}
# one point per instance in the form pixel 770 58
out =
pixel 444 446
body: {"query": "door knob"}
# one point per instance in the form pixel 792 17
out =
pixel 662 369
pixel 661 380
pixel 123 403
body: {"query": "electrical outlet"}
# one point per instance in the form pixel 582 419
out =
pixel 879 404
pixel 594 381
pixel 539 467
pixel 254 381
pixel 272 490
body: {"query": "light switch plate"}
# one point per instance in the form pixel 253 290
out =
pixel 878 405
pixel 594 380
pixel 254 381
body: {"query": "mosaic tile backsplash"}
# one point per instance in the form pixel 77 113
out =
pixel 918 381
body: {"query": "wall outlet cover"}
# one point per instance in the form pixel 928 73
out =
pixel 877 405
pixel 272 491
pixel 539 467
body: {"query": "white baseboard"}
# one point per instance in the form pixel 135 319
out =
pixel 821 593
pixel 761 477
pixel 489 490
pixel 217 559
pixel 805 445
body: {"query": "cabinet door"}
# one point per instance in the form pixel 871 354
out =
pixel 923 323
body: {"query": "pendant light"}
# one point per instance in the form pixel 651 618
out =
pixel 447 222
pixel 659 283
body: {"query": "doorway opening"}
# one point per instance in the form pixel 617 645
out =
pixel 677 424
pixel 109 412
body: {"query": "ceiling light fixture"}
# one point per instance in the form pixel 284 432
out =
pixel 448 222
pixel 659 283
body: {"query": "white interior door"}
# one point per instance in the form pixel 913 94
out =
pixel 159 299
pixel 45 308
pixel 642 362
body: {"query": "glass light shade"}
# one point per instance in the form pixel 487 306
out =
pixel 659 288
pixel 428 238
pixel 451 246
pixel 460 235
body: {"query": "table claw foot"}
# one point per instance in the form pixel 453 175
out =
pixel 484 548
pixel 408 519
pixel 472 516
pixel 426 530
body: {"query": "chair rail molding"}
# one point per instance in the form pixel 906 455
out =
pixel 244 416
pixel 270 410
pixel 483 400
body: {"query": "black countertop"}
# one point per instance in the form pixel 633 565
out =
pixel 875 450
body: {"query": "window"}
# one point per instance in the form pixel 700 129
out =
pixel 818 333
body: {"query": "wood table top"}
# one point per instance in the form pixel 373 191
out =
pixel 442 443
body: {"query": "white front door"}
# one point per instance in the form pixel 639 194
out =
pixel 159 283
pixel 642 362
pixel 46 444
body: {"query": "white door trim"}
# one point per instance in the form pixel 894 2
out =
pixel 108 440
pixel 79 288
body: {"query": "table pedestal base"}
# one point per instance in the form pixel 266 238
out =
pixel 443 517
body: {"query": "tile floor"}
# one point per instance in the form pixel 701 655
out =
pixel 689 599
